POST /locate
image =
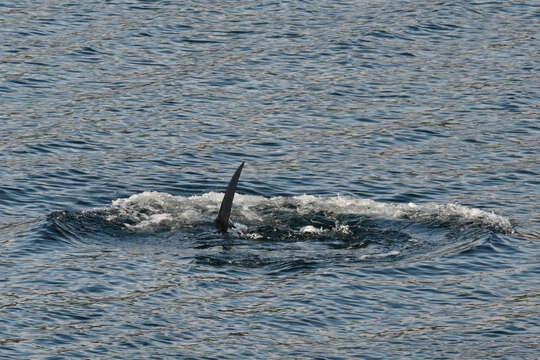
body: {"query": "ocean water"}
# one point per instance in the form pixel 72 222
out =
pixel 389 206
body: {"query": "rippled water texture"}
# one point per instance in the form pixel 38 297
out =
pixel 388 207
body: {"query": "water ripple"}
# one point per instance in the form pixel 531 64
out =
pixel 117 116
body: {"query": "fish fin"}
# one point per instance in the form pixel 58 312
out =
pixel 222 220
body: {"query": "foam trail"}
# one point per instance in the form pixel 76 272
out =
pixel 199 209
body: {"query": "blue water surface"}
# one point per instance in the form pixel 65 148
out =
pixel 388 207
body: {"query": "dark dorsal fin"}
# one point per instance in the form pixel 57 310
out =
pixel 222 220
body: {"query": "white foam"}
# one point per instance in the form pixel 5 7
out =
pixel 152 221
pixel 418 212
pixel 343 229
pixel 151 208
pixel 378 256
pixel 312 230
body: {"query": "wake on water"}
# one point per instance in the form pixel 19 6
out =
pixel 304 227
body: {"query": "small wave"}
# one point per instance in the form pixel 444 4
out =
pixel 148 209
pixel 267 231
pixel 448 213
